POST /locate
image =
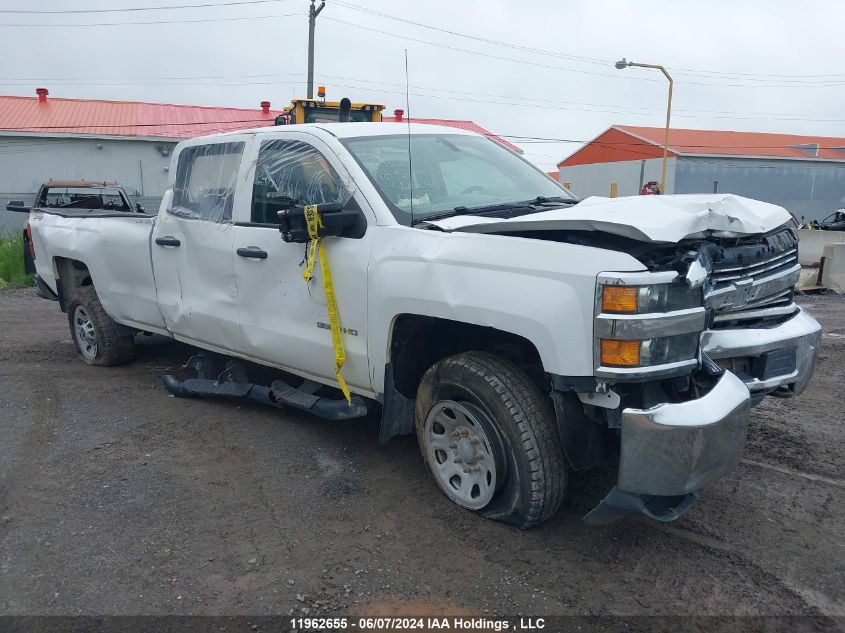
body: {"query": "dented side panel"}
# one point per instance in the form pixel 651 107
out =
pixel 542 291
pixel 116 251
pixel 193 242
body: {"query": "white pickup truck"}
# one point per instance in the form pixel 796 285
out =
pixel 518 331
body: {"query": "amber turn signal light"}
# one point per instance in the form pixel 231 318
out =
pixel 619 298
pixel 620 353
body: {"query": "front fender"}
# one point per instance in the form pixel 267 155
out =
pixel 540 290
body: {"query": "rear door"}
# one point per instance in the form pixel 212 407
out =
pixel 192 246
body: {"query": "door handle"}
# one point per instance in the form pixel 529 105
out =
pixel 252 252
pixel 167 240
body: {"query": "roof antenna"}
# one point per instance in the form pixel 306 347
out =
pixel 408 119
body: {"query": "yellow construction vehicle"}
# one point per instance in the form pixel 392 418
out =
pixel 321 111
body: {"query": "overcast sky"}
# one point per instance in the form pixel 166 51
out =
pixel 757 65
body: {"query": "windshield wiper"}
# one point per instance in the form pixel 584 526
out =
pixel 484 210
pixel 543 200
pixel 504 210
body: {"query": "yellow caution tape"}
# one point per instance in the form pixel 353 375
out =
pixel 314 222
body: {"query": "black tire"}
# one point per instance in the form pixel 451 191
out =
pixel 114 344
pixel 517 418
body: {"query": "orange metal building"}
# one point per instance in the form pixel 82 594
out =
pixel 806 174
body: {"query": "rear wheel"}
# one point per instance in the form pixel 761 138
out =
pixel 488 437
pixel 98 339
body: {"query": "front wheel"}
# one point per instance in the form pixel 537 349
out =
pixel 98 339
pixel 488 437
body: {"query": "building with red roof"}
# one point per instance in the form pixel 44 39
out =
pixel 399 117
pixel 806 174
pixel 45 116
pixel 43 137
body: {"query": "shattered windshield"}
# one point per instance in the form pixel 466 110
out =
pixel 448 173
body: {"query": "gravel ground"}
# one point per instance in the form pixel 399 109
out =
pixel 118 499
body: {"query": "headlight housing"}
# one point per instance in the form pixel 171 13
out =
pixel 646 325
pixel 648 352
pixel 647 299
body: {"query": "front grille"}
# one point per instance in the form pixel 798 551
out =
pixel 769 266
pixel 752 284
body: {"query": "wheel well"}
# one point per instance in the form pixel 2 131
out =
pixel 418 342
pixel 71 275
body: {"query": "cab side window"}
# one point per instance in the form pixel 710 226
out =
pixel 205 181
pixel 291 171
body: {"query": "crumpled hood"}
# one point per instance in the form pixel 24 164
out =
pixel 645 218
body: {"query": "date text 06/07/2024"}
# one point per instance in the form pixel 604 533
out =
pixel 451 623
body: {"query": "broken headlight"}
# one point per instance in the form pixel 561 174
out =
pixel 652 298
pixel 645 324
pixel 648 352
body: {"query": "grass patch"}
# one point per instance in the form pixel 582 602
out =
pixel 12 274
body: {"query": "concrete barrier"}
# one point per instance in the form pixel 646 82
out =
pixel 833 272
pixel 809 277
pixel 812 243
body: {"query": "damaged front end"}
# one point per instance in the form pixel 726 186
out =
pixel 682 353
pixel 670 451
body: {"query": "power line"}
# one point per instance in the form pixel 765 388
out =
pixel 87 24
pixel 680 146
pixel 828 81
pixel 823 80
pixel 578 58
pixel 521 101
pixel 354 7
pixel 230 3
pixel 620 110
pixel 832 83
pixel 481 54
pixel 624 109
pixel 513 136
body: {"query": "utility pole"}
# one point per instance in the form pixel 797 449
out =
pixel 313 12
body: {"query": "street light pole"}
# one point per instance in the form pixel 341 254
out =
pixel 313 12
pixel 623 63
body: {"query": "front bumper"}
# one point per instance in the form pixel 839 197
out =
pixel 669 452
pixel 794 344
pixel 679 448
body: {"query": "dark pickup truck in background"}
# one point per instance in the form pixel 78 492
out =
pixel 78 195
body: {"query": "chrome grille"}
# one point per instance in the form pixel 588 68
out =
pixel 758 291
pixel 782 260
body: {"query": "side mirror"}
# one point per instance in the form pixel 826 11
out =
pixel 338 221
pixel 17 206
pixel 283 201
pixel 139 207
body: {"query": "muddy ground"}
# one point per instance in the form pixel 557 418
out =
pixel 118 499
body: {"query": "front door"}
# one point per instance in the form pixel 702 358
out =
pixel 192 248
pixel 284 321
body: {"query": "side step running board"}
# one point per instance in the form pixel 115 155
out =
pixel 279 394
